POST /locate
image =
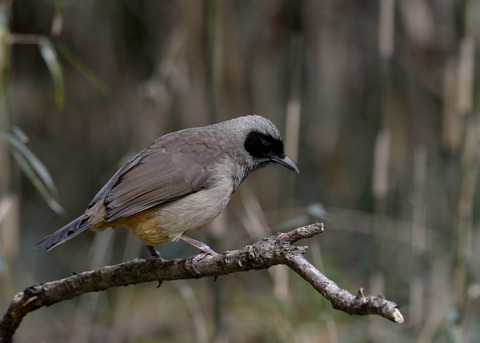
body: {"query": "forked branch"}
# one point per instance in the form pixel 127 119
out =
pixel 277 249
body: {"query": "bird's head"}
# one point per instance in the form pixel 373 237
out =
pixel 256 142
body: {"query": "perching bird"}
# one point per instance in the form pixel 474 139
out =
pixel 180 183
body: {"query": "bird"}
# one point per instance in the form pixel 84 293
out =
pixel 181 182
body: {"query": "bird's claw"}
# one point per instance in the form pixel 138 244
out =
pixel 200 257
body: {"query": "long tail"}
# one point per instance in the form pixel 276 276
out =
pixel 64 234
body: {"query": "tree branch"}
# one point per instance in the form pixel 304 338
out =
pixel 274 250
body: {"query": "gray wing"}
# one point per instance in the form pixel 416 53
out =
pixel 174 166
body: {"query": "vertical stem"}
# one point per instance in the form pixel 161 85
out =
pixel 382 148
pixel 4 158
pixel 292 128
pixel 382 143
pixel 214 58
pixel 214 78
pixel 469 166
pixel 418 238
pixel 4 68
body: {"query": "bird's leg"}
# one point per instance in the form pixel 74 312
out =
pixel 199 245
pixel 153 251
pixel 205 250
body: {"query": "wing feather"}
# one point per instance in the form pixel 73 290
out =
pixel 172 167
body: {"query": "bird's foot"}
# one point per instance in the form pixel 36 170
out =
pixel 205 251
pixel 154 252
pixel 197 258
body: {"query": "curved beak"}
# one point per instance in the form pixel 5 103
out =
pixel 286 162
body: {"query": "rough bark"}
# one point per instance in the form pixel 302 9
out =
pixel 275 250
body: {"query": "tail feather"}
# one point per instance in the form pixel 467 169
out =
pixel 64 234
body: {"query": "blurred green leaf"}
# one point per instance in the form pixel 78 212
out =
pixel 20 134
pixel 32 175
pixel 50 57
pixel 33 168
pixel 81 67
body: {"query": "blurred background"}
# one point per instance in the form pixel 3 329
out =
pixel 378 102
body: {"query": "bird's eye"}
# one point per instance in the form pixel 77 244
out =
pixel 266 145
pixel 262 146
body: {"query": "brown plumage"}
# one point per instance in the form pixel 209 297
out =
pixel 180 183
